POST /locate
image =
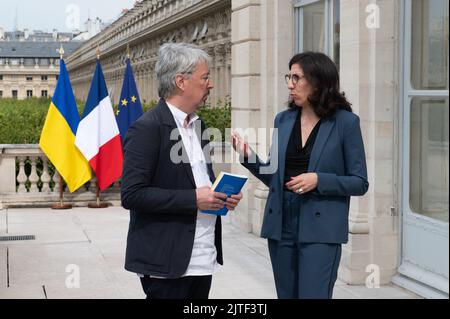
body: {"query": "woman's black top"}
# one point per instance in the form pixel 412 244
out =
pixel 297 157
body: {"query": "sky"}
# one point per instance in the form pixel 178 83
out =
pixel 63 15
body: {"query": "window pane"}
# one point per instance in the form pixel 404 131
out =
pixel 44 62
pixel 313 26
pixel 29 62
pixel 429 166
pixel 336 31
pixel 429 68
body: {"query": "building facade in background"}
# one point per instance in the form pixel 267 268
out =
pixel 144 28
pixel 393 60
pixel 29 62
pixel 29 59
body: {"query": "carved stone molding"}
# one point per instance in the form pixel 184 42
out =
pixel 151 23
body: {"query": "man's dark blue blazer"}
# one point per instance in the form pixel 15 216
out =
pixel 160 195
pixel 338 158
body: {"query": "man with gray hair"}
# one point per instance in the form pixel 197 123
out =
pixel 172 245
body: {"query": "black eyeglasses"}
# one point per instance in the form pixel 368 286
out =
pixel 205 78
pixel 293 77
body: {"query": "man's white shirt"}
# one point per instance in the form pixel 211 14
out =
pixel 203 259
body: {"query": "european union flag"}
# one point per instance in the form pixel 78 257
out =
pixel 130 108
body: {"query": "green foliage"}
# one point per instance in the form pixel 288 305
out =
pixel 218 117
pixel 150 105
pixel 21 121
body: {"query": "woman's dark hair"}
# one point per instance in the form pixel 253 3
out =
pixel 322 74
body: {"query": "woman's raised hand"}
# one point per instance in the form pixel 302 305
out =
pixel 240 145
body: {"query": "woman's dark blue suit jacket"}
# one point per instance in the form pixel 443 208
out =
pixel 337 157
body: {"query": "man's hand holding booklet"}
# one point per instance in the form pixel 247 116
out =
pixel 229 184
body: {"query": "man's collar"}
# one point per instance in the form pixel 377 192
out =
pixel 179 115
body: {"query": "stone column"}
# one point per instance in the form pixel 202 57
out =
pixel 148 83
pixel 213 75
pixel 276 51
pixel 7 172
pixel 245 91
pixel 219 51
pixel 228 71
pixel 154 83
pixel 262 46
pixel 373 238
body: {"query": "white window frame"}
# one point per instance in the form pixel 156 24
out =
pixel 328 25
pixel 409 94
pixel 421 279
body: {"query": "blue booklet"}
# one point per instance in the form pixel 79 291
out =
pixel 230 184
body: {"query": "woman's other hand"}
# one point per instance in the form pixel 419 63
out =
pixel 303 183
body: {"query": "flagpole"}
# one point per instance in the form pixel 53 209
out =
pixel 98 51
pixel 98 203
pixel 61 204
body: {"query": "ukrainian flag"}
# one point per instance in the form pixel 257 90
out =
pixel 58 135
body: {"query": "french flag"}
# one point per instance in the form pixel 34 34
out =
pixel 98 136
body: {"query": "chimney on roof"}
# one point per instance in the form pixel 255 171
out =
pixel 16 21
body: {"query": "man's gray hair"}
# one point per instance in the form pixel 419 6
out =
pixel 173 59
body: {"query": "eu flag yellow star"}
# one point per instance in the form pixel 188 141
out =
pixel 133 99
pixel 124 102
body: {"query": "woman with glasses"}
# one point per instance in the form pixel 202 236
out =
pixel 321 164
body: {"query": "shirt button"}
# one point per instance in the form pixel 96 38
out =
pixel 318 215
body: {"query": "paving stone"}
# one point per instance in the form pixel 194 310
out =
pixel 2 222
pixel 22 292
pixel 3 268
pixel 95 241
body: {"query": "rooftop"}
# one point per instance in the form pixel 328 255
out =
pixel 16 49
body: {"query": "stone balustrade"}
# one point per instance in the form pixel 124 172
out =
pixel 206 23
pixel 28 179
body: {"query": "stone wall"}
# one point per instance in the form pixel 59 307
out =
pixel 150 24
pixel 263 38
pixel 370 76
pixel 34 184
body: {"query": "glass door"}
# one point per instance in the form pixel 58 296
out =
pixel 425 228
